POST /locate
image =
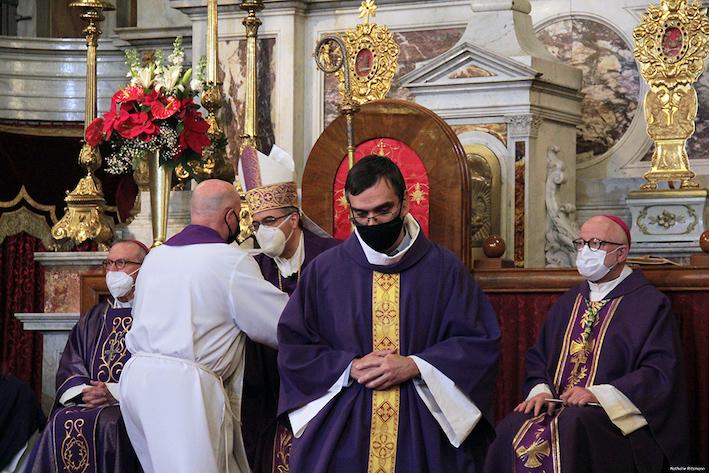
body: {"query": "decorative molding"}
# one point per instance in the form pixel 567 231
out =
pixel 562 228
pixel 439 69
pixel 48 321
pixel 69 258
pixel 24 219
pixel 523 126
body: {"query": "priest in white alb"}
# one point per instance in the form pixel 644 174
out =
pixel 197 296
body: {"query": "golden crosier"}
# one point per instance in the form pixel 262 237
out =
pixel 671 44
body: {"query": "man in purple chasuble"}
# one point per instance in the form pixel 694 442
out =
pixel 288 242
pixel 610 351
pixel 388 349
pixel 86 432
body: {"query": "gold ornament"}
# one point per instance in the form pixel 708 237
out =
pixel 84 218
pixel 372 57
pixel 366 9
pixel 671 44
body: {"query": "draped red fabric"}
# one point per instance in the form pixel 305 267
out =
pixel 521 317
pixel 692 310
pixel 21 290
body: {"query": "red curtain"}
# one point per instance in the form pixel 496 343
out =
pixel 692 309
pixel 521 317
pixel 22 290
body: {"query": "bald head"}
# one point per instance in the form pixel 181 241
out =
pixel 211 201
pixel 604 229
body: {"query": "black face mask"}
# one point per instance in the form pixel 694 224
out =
pixel 231 237
pixel 381 237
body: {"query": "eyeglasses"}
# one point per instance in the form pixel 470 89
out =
pixel 594 244
pixel 118 264
pixel 363 217
pixel 269 221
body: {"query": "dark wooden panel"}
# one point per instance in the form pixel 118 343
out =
pixel 92 290
pixel 675 278
pixel 432 140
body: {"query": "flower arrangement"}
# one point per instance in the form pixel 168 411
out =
pixel 154 112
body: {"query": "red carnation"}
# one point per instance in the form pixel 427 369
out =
pixel 94 132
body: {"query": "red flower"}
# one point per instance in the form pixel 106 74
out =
pixel 132 125
pixel 94 132
pixel 194 135
pixel 162 111
pixel 129 94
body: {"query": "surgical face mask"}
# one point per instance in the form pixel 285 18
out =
pixel 590 263
pixel 272 240
pixel 119 283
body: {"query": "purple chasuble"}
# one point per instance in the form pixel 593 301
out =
pixel 268 442
pixel 194 235
pixel 633 346
pixel 82 439
pixel 444 318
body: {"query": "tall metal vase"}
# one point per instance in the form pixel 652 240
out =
pixel 159 177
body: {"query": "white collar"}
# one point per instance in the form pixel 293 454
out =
pixel 599 290
pixel 289 266
pixel 411 232
pixel 117 304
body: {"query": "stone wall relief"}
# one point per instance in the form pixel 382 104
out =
pixel 562 228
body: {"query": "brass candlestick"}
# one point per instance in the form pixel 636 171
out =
pixel 671 44
pixel 252 23
pixel 249 136
pixel 84 218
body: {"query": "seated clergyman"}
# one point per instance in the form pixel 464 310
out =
pixel 85 431
pixel 609 351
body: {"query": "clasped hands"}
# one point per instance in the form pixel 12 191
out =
pixel 97 395
pixel 576 396
pixel 383 369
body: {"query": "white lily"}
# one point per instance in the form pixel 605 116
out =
pixel 144 77
pixel 168 80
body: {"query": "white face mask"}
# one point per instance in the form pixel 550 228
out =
pixel 590 263
pixel 119 283
pixel 272 240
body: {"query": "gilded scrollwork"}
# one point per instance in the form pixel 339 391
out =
pixel 671 44
pixel 372 56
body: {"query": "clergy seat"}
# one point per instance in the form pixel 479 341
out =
pixel 429 154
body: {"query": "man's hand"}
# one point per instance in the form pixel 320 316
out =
pixel 536 404
pixel 393 370
pixel 362 366
pixel 97 395
pixel 578 396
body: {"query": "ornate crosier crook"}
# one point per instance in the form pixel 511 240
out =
pixel 331 56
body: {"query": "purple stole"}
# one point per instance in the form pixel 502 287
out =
pixel 74 428
pixel 536 445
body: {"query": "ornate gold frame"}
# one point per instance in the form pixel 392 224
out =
pixel 671 44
